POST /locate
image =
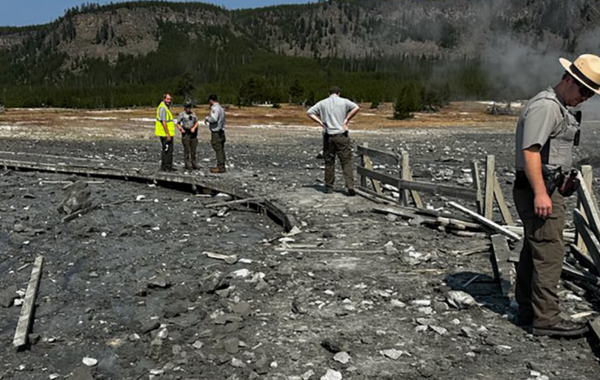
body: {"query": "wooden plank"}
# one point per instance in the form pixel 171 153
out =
pixel 574 274
pixel 486 222
pixel 595 327
pixel 273 210
pixel 378 155
pixel 373 196
pixel 432 188
pixel 290 249
pixel 477 185
pixel 587 174
pixel 501 253
pixel 504 210
pixel 490 172
pixel 24 323
pixel 583 258
pixel 590 207
pixel 235 202
pixel 404 170
pixel 407 175
pixel 588 237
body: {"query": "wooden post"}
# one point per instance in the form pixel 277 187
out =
pixel 501 254
pixel 28 305
pixel 477 185
pixel 406 175
pixel 499 195
pixel 369 165
pixel 363 163
pixel 587 174
pixel 490 171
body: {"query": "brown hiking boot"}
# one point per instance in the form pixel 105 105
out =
pixel 217 170
pixel 563 328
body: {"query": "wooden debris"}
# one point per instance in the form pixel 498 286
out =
pixel 24 323
pixel 586 173
pixel 588 237
pixel 374 197
pixel 591 210
pixel 367 163
pixel 477 185
pixel 328 251
pixel 431 188
pixel 501 254
pixel 584 259
pixel 229 259
pixel 499 196
pixel 87 210
pixel 235 202
pixel 595 327
pixel 378 155
pixel 486 222
pixel 406 174
pixel 471 251
pixel 490 173
pixel 572 273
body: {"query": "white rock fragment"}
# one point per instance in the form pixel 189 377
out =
pixel 392 353
pixel 420 302
pixel 198 345
pixel 332 375
pixel 460 299
pixel 397 303
pixel 54 376
pixel 90 362
pixel 342 357
pixel 241 273
pixel 439 330
pixel 308 374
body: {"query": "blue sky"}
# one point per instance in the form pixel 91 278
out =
pixel 29 12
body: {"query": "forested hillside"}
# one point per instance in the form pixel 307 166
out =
pixel 128 54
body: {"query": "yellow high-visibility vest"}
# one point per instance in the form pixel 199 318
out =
pixel 160 130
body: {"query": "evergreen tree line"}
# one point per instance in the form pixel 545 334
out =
pixel 233 66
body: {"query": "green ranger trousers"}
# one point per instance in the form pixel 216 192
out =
pixel 217 141
pixel 190 145
pixel 541 260
pixel 338 145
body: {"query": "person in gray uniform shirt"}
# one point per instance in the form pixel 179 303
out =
pixel 334 114
pixel 216 121
pixel 546 133
pixel 188 126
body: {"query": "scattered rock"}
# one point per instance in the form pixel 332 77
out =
pixel 159 281
pixel 460 299
pixel 81 373
pixel 332 375
pixel 342 357
pixel 90 362
pixel 8 296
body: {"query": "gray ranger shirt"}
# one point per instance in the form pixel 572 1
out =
pixel 546 122
pixel 216 120
pixel 333 111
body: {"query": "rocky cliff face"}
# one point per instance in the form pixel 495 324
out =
pixel 367 28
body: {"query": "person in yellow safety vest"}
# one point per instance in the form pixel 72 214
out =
pixel 165 130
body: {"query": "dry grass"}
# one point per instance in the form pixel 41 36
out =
pixel 139 122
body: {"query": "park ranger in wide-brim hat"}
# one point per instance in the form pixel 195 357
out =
pixel 547 131
pixel 586 69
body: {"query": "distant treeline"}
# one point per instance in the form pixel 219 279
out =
pixel 240 71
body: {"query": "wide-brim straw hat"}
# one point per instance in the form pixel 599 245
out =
pixel 586 69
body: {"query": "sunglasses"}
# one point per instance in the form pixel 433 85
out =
pixel 584 91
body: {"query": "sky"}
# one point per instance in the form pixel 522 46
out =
pixel 31 12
